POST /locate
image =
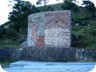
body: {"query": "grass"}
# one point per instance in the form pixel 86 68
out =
pixel 8 44
pixel 6 63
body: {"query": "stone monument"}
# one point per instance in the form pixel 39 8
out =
pixel 52 28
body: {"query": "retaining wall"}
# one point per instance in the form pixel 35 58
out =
pixel 48 54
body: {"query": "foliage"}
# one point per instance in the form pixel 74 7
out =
pixel 39 2
pixel 84 36
pixel 6 31
pixel 13 32
pixel 46 8
pixel 70 6
pixel 20 13
pixel 20 8
pixel 6 63
pixel 8 43
pixel 90 7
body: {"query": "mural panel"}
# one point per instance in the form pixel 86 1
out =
pixel 51 28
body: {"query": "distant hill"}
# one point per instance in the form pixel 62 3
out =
pixel 12 34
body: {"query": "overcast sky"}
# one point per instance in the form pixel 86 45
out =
pixel 5 9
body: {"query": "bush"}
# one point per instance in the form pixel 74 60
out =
pixel 7 43
pixel 84 36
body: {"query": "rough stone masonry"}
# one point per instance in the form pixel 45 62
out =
pixel 52 28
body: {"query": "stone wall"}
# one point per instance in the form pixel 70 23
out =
pixel 51 28
pixel 10 54
pixel 48 54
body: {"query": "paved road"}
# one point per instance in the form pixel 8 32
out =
pixel 24 66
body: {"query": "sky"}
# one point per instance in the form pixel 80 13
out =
pixel 5 9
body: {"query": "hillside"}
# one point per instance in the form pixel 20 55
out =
pixel 14 32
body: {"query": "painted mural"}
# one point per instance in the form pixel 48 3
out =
pixel 51 28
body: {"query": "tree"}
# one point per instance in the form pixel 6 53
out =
pixel 19 15
pixel 70 0
pixel 21 7
pixel 46 8
pixel 68 4
pixel 39 2
pixel 84 36
pixel 90 6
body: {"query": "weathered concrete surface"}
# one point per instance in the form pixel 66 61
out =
pixel 51 28
pixel 26 66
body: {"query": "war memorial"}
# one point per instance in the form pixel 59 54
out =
pixel 48 47
pixel 51 28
